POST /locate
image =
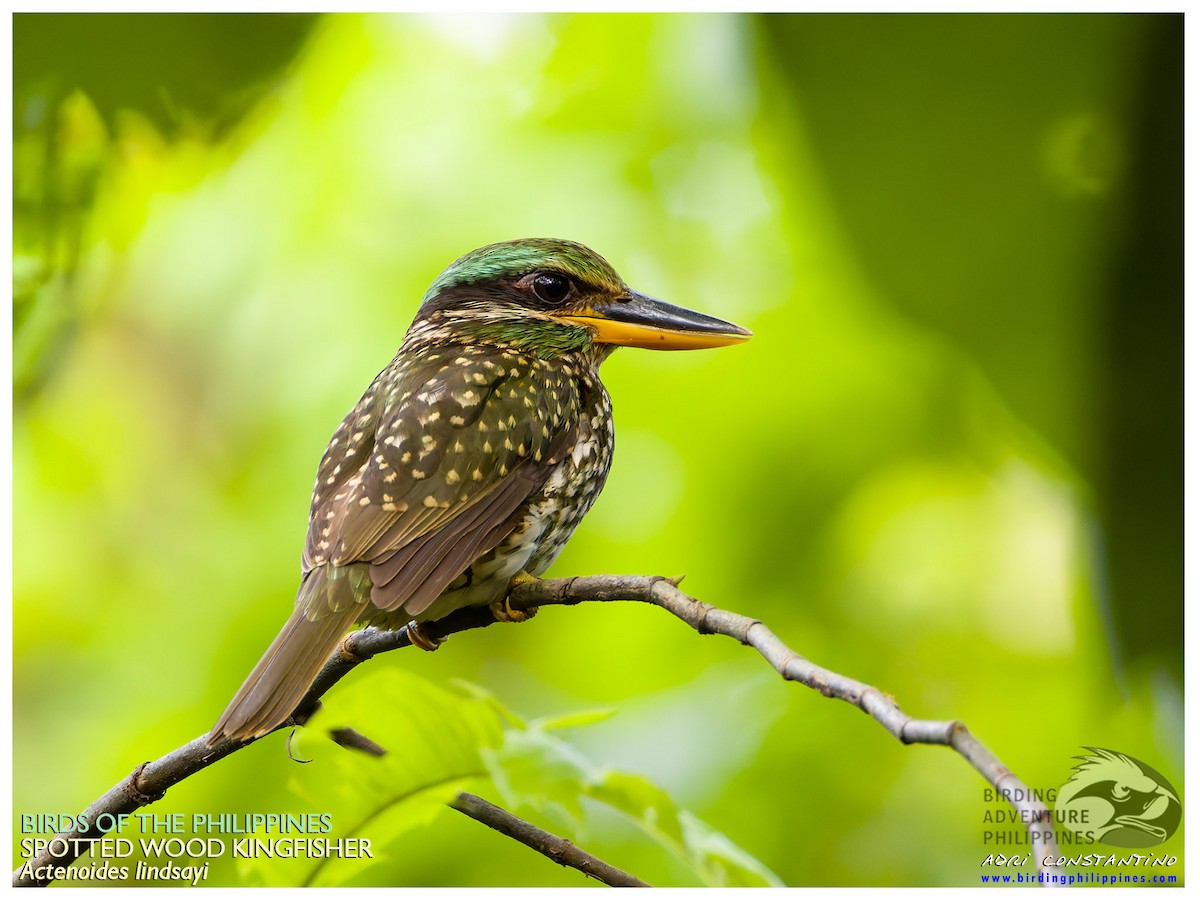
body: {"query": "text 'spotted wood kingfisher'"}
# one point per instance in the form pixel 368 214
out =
pixel 469 461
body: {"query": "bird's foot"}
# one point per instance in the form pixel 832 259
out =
pixel 419 637
pixel 503 610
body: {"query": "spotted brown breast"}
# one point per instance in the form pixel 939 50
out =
pixel 461 466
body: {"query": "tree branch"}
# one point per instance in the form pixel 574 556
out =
pixel 149 781
pixel 707 619
pixel 558 849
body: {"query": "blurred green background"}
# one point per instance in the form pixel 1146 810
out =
pixel 949 463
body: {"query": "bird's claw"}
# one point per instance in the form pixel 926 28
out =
pixel 503 610
pixel 419 637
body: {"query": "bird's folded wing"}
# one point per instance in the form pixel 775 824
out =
pixel 425 473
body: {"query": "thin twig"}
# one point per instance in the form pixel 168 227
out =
pixel 149 781
pixel 707 619
pixel 558 849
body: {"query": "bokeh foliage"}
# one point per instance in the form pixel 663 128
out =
pixel 949 463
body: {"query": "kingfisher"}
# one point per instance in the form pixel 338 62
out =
pixel 470 459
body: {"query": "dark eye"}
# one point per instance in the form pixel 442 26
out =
pixel 551 288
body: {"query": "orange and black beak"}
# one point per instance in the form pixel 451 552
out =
pixel 634 320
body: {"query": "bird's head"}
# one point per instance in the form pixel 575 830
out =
pixel 552 297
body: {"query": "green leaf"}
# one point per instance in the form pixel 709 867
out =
pixel 437 742
pixel 433 738
pixel 644 802
pixel 537 771
pixel 579 719
pixel 534 771
pixel 715 859
pixel 721 862
pixel 479 692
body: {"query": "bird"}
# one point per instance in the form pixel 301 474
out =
pixel 469 461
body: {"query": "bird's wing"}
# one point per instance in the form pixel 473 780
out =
pixel 425 473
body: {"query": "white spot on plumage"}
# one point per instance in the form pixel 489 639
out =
pixel 582 451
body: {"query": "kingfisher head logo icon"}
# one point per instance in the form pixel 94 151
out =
pixel 1121 800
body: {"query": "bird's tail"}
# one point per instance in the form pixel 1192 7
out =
pixel 326 607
